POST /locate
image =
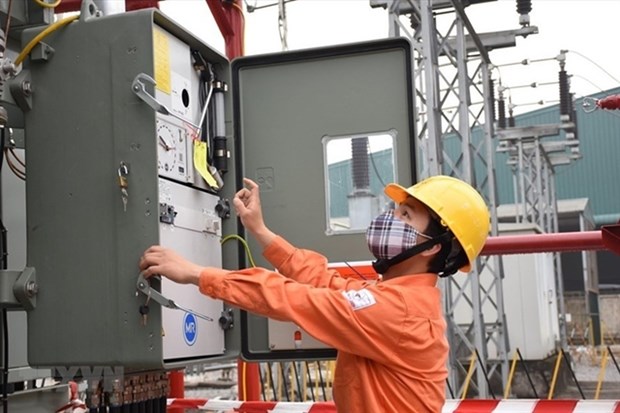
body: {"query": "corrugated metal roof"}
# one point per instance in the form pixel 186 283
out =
pixel 596 175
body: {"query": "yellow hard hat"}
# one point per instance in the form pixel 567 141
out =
pixel 459 206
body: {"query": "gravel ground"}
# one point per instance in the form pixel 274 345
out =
pixel 588 363
pixel 591 378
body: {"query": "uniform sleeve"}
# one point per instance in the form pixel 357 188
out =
pixel 305 266
pixel 367 322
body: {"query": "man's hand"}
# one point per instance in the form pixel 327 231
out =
pixel 158 260
pixel 248 208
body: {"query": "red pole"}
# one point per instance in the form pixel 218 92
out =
pixel 230 20
pixel 560 242
pixel 248 380
pixel 176 381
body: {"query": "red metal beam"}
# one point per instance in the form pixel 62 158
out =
pixel 608 238
pixel 229 18
pixel 221 17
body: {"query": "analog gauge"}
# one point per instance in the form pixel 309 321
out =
pixel 172 151
pixel 168 148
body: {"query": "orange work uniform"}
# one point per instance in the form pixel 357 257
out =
pixel 390 336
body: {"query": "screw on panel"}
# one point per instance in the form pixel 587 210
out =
pixel 32 289
pixel 27 88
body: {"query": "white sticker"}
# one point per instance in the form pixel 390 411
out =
pixel 359 299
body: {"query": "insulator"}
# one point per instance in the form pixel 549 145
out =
pixel 511 121
pixel 501 109
pixel 414 21
pixel 359 158
pixel 565 103
pixel 492 95
pixel 610 102
pixel 524 6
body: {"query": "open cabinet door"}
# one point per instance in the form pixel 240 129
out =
pixel 322 131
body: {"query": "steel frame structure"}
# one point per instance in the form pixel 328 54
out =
pixel 452 88
pixel 533 159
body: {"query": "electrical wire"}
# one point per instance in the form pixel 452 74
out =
pixel 245 246
pixel 8 21
pixel 22 163
pixel 207 77
pixel 244 391
pixel 51 28
pixel 610 112
pixel 374 167
pixel 249 254
pixel 14 168
pixel 595 64
pixel 48 5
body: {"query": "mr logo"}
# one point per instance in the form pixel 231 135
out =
pixel 190 329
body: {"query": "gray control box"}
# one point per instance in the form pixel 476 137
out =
pixel 99 192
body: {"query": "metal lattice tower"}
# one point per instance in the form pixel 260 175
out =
pixel 454 132
pixel 533 157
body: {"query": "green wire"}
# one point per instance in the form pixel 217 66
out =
pixel 245 245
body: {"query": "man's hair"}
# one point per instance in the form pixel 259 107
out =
pixel 451 256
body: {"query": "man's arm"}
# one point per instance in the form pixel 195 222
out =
pixel 306 266
pixel 353 321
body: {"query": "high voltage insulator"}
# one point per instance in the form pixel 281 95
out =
pixel 501 109
pixel 414 21
pixel 524 6
pixel 359 155
pixel 492 95
pixel 565 102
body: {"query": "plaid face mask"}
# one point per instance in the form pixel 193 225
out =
pixel 388 236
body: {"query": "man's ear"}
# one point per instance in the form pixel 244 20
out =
pixel 432 250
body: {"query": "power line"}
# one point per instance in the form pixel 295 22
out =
pixel 595 64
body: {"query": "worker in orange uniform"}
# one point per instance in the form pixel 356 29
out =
pixel 390 335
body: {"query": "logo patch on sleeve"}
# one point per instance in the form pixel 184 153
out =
pixel 359 299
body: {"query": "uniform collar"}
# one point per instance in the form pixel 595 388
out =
pixel 424 279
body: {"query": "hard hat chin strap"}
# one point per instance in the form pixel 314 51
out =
pixel 382 265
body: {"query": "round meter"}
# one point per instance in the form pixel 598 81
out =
pixel 171 150
pixel 167 148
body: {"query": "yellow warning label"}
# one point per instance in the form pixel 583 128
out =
pixel 161 51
